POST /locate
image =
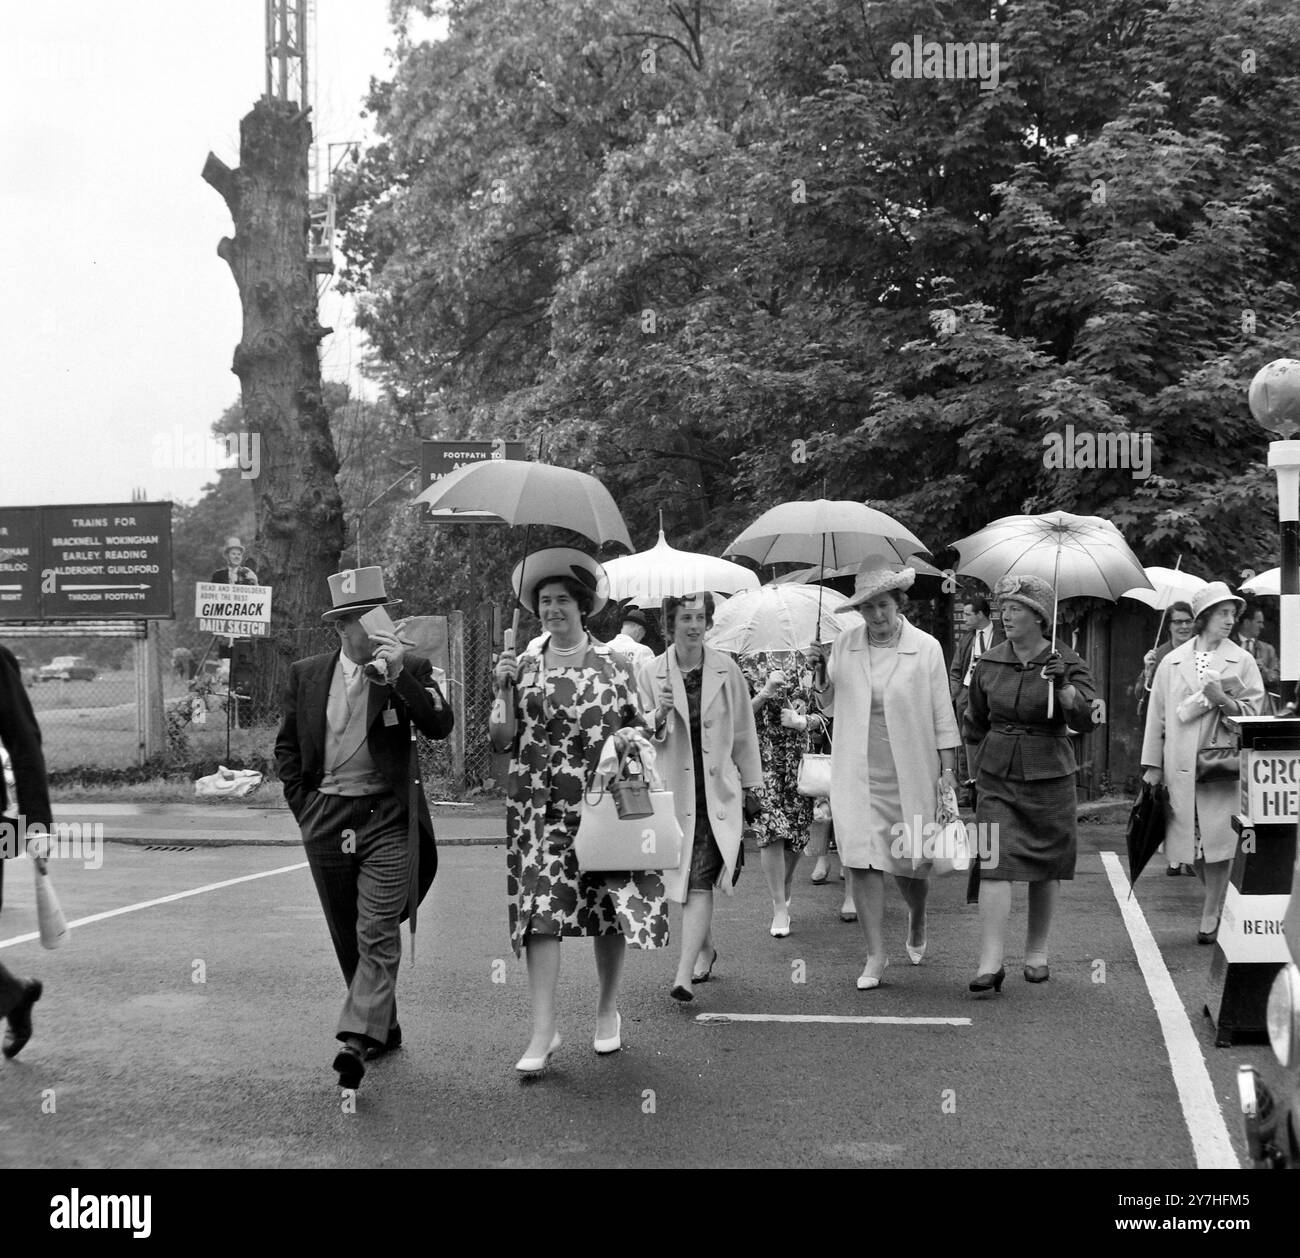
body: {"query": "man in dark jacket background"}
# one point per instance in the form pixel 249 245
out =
pixel 22 740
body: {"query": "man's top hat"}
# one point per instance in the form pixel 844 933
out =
pixel 232 543
pixel 357 590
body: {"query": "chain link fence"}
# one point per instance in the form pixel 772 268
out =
pixel 94 706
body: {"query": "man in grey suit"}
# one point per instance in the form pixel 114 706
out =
pixel 346 758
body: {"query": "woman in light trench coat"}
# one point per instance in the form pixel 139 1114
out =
pixel 692 689
pixel 1179 724
pixel 895 745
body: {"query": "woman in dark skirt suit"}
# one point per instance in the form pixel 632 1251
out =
pixel 1025 772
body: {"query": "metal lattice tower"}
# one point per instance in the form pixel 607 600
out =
pixel 286 51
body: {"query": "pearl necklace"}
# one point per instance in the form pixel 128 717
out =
pixel 566 650
pixel 894 635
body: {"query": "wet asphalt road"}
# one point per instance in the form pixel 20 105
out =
pixel 143 1066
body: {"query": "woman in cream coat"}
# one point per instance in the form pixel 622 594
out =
pixel 1179 724
pixel 895 744
pixel 708 757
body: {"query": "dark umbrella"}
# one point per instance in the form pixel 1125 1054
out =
pixel 1146 828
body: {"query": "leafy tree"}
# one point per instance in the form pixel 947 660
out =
pixel 771 269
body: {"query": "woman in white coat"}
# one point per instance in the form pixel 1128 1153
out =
pixel 896 745
pixel 1195 683
pixel 708 756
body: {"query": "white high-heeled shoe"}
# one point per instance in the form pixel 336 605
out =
pixel 532 1067
pixel 867 982
pixel 781 932
pixel 611 1043
pixel 914 954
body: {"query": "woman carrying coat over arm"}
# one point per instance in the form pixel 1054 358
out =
pixel 709 759
pixel 1197 682
pixel 886 688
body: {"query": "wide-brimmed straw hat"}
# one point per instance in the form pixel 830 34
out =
pixel 1033 592
pixel 559 561
pixel 1215 592
pixel 356 590
pixel 875 581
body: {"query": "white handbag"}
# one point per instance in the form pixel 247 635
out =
pixel 606 843
pixel 950 849
pixel 814 777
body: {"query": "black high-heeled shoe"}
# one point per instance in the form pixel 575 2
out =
pixel 1037 974
pixel 989 982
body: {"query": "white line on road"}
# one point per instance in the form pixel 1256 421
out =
pixel 828 1017
pixel 1210 1141
pixel 166 899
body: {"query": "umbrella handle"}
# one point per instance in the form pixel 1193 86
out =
pixel 1051 629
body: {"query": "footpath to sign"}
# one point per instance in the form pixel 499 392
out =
pixel 236 611
pixel 441 458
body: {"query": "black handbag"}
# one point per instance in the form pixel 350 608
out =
pixel 1221 760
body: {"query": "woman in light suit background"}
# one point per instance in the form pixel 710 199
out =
pixel 1179 724
pixel 708 756
pixel 886 687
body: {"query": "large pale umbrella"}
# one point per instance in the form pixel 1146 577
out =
pixel 826 533
pixel 531 493
pixel 650 576
pixel 816 575
pixel 1267 582
pixel 1080 555
pixel 776 618
pixel 1168 586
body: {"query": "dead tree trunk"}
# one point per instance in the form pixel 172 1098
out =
pixel 300 527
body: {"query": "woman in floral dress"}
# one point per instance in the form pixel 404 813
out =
pixel 562 702
pixel 783 711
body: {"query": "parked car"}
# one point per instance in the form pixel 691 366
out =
pixel 68 668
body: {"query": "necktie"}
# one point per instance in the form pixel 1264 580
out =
pixel 976 651
pixel 1253 651
pixel 340 706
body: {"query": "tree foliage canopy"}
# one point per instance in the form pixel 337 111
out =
pixel 717 254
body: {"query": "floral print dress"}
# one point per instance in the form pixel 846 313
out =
pixel 562 718
pixel 787 815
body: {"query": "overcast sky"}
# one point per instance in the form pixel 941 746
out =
pixel 118 320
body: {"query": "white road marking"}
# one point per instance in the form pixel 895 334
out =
pixel 828 1017
pixel 1210 1141
pixel 166 899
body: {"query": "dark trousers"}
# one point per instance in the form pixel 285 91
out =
pixel 959 705
pixel 360 860
pixel 11 987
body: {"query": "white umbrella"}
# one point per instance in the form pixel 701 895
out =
pixel 809 576
pixel 823 532
pixel 776 618
pixel 1080 555
pixel 1269 582
pixel 650 576
pixel 1169 586
pixel 828 533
